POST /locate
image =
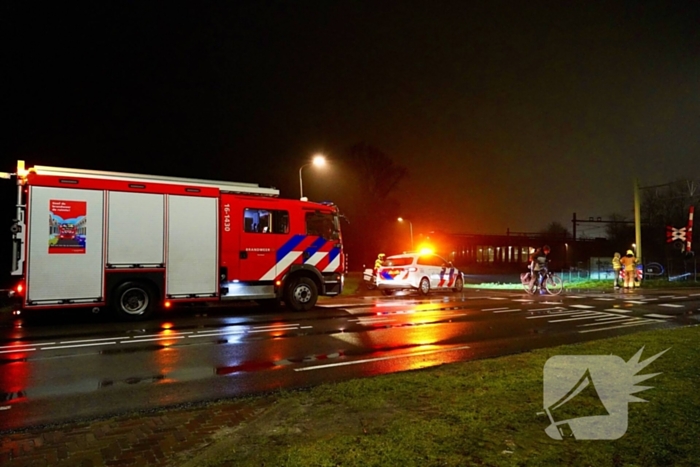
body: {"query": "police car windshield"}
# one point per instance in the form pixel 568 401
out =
pixel 399 261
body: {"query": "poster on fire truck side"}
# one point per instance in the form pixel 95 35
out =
pixel 67 226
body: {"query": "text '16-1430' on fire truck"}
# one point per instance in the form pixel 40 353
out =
pixel 136 243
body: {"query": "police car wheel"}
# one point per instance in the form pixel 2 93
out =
pixel 459 285
pixel 301 294
pixel 133 301
pixel 424 286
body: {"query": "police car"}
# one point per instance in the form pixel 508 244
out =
pixel 424 272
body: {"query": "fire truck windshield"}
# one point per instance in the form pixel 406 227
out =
pixel 323 224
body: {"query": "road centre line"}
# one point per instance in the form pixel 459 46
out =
pixel 367 360
pixel 25 345
pixel 619 320
pixel 619 327
pixel 157 335
pixel 78 345
pixel 276 326
pixel 85 341
pixel 609 318
pixel 24 349
pixel 593 315
pixel 671 305
pixel 135 341
pixel 568 313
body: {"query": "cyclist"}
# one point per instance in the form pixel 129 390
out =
pixel 538 268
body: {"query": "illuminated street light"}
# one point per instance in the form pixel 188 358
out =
pixel 319 160
pixel 410 226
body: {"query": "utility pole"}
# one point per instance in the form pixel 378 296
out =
pixel 637 222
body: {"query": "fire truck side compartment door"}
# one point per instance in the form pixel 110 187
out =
pixel 65 245
pixel 192 263
pixel 135 229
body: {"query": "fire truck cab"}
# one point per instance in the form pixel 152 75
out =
pixel 136 243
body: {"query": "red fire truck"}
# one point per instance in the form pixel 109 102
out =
pixel 146 242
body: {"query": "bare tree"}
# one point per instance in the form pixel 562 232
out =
pixel 372 178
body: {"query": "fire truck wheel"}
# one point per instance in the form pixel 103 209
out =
pixel 133 301
pixel 301 294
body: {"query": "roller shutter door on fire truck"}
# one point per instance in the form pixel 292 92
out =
pixel 65 245
pixel 192 261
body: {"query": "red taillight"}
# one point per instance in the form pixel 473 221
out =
pixel 20 288
pixel 167 304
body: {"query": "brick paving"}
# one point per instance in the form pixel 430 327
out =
pixel 160 439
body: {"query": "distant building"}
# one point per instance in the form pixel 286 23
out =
pixel 510 252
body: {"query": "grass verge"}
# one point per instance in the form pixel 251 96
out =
pixel 474 413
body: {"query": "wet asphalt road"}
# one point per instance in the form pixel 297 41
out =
pixel 71 366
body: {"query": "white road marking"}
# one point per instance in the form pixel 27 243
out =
pixel 604 299
pixel 654 315
pixel 25 345
pixel 507 310
pixel 84 341
pixel 78 345
pixel 276 326
pixel 377 359
pixel 635 302
pixel 134 341
pixel 614 317
pixel 694 294
pixel 158 335
pixel 671 305
pixel 23 349
pixel 591 315
pixel 620 327
pixel 5 407
pixel 586 307
pixel 494 309
pixel 497 298
pixel 553 315
pixel 619 310
pixel 619 320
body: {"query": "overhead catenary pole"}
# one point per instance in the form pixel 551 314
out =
pixel 637 222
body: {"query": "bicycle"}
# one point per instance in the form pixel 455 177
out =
pixel 551 283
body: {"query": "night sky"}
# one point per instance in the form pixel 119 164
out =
pixel 507 114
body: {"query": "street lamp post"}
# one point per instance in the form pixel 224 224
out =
pixel 319 160
pixel 410 226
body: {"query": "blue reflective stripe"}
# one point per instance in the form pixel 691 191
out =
pixel 333 254
pixel 289 246
pixel 314 247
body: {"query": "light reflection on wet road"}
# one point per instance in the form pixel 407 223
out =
pixel 79 366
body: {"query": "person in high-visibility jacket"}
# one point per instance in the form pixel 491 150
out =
pixel 617 266
pixel 629 262
pixel 378 262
